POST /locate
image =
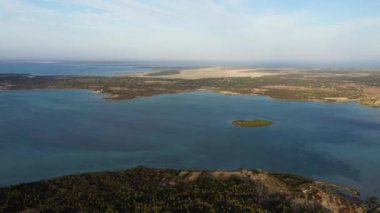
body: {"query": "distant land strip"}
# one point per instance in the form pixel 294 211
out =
pixel 361 86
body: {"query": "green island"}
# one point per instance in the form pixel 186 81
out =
pixel 167 190
pixel 252 123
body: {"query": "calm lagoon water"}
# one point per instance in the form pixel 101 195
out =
pixel 48 133
pixel 73 68
pixel 50 68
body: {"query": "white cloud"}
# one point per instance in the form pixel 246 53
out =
pixel 184 29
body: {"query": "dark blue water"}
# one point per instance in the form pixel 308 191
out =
pixel 47 133
pixel 73 68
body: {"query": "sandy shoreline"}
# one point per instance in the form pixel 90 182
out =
pixel 217 72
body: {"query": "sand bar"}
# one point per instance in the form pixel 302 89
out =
pixel 216 72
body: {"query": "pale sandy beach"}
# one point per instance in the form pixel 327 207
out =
pixel 217 72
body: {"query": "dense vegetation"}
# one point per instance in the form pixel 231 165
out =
pixel 153 190
pixel 252 123
pixel 163 72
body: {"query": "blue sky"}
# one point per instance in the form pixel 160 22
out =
pixel 218 30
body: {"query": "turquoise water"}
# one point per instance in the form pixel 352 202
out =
pixel 86 67
pixel 48 133
pixel 73 68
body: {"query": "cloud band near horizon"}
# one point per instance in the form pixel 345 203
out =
pixel 233 30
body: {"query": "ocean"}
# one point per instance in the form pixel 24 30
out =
pixel 51 68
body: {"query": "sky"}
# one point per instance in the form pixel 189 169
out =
pixel 214 30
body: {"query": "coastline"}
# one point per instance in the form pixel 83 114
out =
pixel 210 72
pixel 293 84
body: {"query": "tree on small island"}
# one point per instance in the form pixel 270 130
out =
pixel 252 123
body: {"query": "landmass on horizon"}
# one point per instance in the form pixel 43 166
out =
pixel 297 84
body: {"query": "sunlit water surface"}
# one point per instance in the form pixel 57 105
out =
pixel 48 133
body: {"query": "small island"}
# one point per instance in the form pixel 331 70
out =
pixel 252 123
